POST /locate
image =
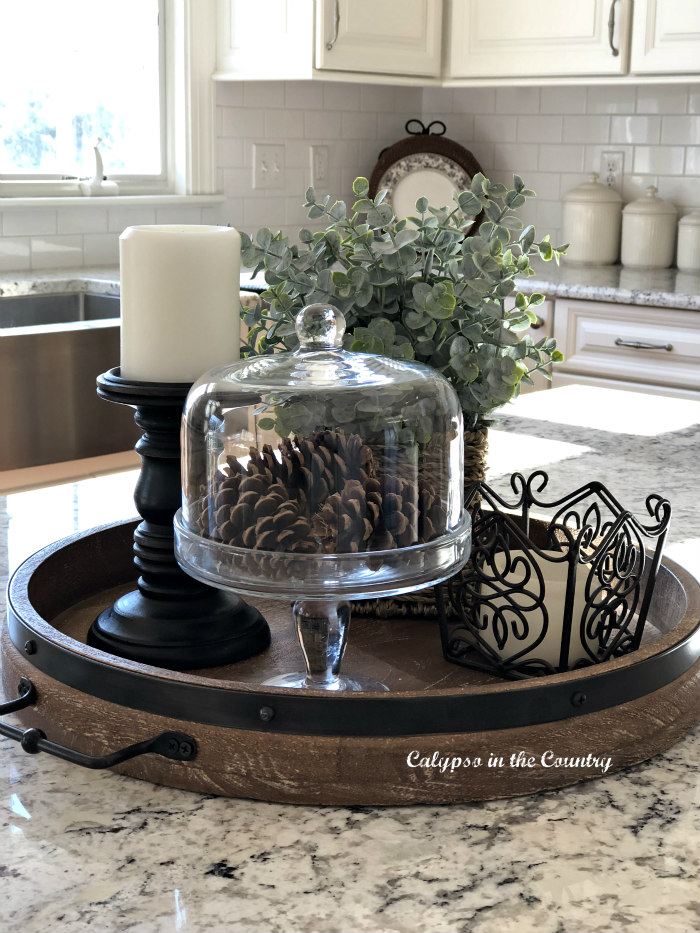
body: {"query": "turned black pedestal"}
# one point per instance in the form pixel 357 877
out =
pixel 170 620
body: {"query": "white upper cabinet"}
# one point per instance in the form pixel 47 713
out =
pixel 512 38
pixel 666 36
pixel 379 36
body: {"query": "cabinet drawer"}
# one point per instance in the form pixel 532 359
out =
pixel 637 344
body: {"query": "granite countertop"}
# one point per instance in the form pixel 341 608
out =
pixel 618 854
pixel 660 288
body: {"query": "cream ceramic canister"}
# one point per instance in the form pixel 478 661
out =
pixel 648 232
pixel 591 223
pixel 688 250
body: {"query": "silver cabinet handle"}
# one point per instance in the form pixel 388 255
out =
pixel 336 25
pixel 611 28
pixel 637 345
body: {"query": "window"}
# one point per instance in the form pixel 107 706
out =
pixel 73 72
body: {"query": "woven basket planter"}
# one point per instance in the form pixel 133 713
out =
pixel 422 604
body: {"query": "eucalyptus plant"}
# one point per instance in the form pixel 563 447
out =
pixel 422 287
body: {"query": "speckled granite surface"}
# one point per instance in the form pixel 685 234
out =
pixel 88 851
pixel 662 288
pixel 657 288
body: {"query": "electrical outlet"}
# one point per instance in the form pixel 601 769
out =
pixel 611 164
pixel 319 165
pixel 268 166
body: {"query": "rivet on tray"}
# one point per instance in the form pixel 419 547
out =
pixel 578 699
pixel 29 647
pixel 267 713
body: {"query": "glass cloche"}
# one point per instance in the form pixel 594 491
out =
pixel 322 476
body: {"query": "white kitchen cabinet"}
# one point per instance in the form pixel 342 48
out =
pixel 653 349
pixel 516 39
pixel 665 36
pixel 335 39
pixel 379 36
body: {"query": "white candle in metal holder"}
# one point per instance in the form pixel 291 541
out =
pixel 179 300
pixel 554 578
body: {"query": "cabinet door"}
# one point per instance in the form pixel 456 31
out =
pixel 666 36
pixel 379 36
pixel 512 38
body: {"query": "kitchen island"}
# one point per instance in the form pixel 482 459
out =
pixel 94 850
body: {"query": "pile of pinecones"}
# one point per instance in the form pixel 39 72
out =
pixel 321 494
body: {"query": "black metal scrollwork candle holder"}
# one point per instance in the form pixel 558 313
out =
pixel 540 597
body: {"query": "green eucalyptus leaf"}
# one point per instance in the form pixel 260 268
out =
pixel 360 187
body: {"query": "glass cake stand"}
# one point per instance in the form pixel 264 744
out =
pixel 322 587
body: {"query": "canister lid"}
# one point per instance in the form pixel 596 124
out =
pixel 650 204
pixel 592 191
pixel 690 220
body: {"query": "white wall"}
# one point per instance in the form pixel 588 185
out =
pixel 552 136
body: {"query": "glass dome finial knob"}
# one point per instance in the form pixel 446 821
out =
pixel 320 326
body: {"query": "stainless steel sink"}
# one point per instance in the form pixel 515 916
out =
pixel 52 348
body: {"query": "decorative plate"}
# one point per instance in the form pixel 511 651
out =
pixel 424 164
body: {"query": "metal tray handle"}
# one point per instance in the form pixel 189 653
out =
pixel 174 745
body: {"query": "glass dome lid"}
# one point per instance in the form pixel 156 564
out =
pixel 322 471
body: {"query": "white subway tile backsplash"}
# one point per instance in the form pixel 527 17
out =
pixel 258 95
pixel 563 100
pixel 584 129
pixel 262 213
pixel 374 99
pixel 325 124
pixel 554 158
pixel 681 131
pixel 495 128
pixel 29 222
pixel 239 121
pixel 359 126
pixel 692 162
pixel 409 100
pixel 635 129
pixel 229 93
pixel 552 136
pixel 518 100
pixel 229 151
pixel 14 254
pixel 337 97
pixel 538 129
pixel 659 160
pixel 662 98
pixel 437 99
pixel 303 95
pixel 56 252
pixel 82 220
pixel 181 214
pixel 474 100
pixel 102 249
pixel 605 99
pixel 285 124
pixel 119 218
pixel 515 157
pixel 684 192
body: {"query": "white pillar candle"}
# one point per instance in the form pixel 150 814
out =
pixel 554 576
pixel 179 301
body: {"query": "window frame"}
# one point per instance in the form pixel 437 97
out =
pixel 187 60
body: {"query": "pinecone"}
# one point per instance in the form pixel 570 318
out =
pixel 346 521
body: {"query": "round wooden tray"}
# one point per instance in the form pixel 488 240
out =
pixel 308 747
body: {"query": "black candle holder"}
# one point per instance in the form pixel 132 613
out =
pixel 497 615
pixel 170 620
